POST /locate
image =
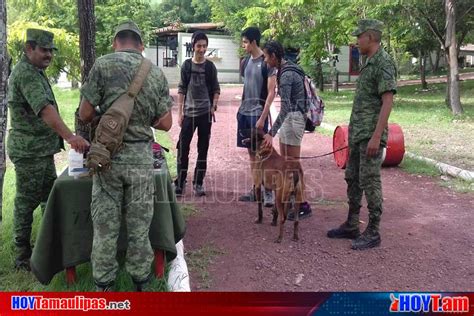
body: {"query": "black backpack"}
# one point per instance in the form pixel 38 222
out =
pixel 264 92
pixel 208 73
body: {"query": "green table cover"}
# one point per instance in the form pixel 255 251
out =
pixel 65 236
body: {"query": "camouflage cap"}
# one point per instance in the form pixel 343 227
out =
pixel 128 26
pixel 42 38
pixel 368 24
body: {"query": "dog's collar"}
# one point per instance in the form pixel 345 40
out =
pixel 261 157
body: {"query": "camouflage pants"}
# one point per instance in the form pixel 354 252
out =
pixel 363 176
pixel 124 190
pixel 34 180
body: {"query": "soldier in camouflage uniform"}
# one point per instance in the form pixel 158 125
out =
pixel 36 134
pixel 127 188
pixel 372 105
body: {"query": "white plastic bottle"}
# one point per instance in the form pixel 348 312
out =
pixel 76 163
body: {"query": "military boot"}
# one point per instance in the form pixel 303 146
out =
pixel 22 264
pixel 350 228
pixel 143 285
pixel 22 261
pixel 370 238
pixel 104 287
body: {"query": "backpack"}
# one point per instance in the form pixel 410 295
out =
pixel 107 135
pixel 208 73
pixel 314 103
pixel 264 68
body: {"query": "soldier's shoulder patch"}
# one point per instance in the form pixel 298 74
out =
pixel 388 71
pixel 387 75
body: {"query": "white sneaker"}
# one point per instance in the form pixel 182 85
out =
pixel 268 200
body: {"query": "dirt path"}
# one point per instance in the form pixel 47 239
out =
pixel 427 231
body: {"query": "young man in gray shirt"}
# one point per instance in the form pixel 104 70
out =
pixel 257 97
pixel 198 93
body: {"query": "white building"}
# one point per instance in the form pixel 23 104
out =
pixel 349 63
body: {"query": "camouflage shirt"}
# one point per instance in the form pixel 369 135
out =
pixel 378 76
pixel 108 79
pixel 29 92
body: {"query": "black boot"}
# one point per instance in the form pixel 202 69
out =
pixel 22 261
pixel 104 287
pixel 370 238
pixel 22 264
pixel 349 229
pixel 143 285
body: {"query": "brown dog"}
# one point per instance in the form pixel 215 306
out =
pixel 283 176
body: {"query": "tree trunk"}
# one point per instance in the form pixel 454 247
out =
pixel 424 84
pixel 320 75
pixel 431 62
pixel 454 98
pixel 335 80
pixel 436 63
pixel 4 70
pixel 335 75
pixel 448 82
pixel 86 36
pixel 86 15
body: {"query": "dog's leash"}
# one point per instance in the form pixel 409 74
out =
pixel 319 156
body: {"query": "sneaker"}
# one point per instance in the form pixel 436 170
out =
pixel 250 197
pixel 268 198
pixel 199 190
pixel 304 212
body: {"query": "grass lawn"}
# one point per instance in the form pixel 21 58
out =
pixel 11 280
pixel 429 128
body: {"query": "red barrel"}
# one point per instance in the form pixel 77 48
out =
pixel 393 155
pixel 341 140
pixel 395 146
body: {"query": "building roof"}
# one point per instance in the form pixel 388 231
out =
pixel 467 48
pixel 188 27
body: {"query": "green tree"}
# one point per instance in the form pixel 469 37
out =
pixel 66 58
pixel 419 41
pixel 62 14
pixel 109 13
pixel 182 11
pixel 450 22
pixel 317 28
pixel 235 14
